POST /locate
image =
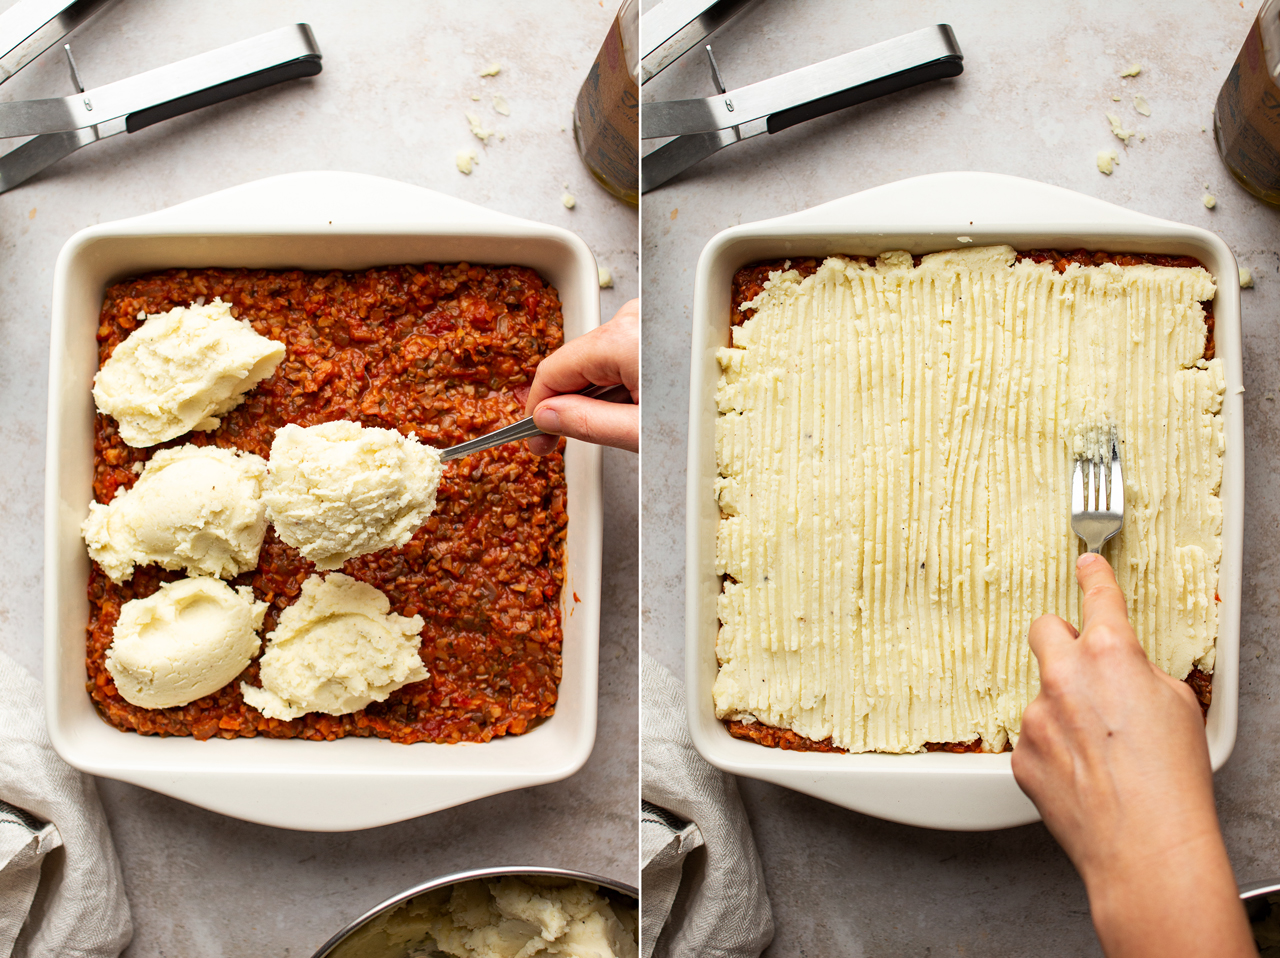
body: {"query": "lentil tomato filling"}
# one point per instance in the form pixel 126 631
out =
pixel 444 352
pixel 748 283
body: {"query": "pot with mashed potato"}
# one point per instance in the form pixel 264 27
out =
pixel 498 913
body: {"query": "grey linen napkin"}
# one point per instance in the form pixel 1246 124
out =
pixel 61 892
pixel 702 886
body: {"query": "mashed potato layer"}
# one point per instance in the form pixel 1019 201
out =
pixel 503 918
pixel 340 490
pixel 180 371
pixel 335 650
pixel 183 642
pixel 895 452
pixel 197 508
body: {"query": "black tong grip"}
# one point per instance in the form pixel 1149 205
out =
pixel 948 66
pixel 307 66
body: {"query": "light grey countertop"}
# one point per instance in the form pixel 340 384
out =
pixel 397 83
pixel 1038 82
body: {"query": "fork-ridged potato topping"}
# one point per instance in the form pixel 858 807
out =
pixel 895 449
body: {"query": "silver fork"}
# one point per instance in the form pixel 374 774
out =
pixel 1097 497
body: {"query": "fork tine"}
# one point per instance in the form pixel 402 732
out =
pixel 1117 478
pixel 1097 494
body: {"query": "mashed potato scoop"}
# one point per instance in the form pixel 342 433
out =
pixel 340 490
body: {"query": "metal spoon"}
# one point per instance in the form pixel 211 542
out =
pixel 524 428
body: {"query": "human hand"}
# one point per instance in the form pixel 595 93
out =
pixel 1114 755
pixel 603 357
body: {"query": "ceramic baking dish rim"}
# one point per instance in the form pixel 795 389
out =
pixel 308 785
pixel 927 214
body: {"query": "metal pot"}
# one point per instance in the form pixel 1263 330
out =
pixel 334 947
pixel 1262 905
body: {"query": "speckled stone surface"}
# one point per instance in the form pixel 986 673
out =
pixel 1038 82
pixel 397 83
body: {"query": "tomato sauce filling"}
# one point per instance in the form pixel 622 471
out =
pixel 748 283
pixel 442 352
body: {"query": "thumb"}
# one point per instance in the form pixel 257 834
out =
pixel 591 420
pixel 1103 599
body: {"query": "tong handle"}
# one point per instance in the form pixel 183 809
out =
pixel 290 70
pixel 835 81
pixel 30 27
pixel 173 89
pixel 674 27
pixel 881 86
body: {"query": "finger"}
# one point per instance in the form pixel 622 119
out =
pixel 1039 749
pixel 591 420
pixel 1050 637
pixel 1024 767
pixel 1028 758
pixel 1182 689
pixel 542 445
pixel 602 357
pixel 1103 601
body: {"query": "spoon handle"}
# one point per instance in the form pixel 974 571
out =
pixel 524 428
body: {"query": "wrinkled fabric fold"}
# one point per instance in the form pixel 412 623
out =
pixel 61 890
pixel 702 884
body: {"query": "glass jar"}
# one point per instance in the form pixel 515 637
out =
pixel 606 118
pixel 1246 118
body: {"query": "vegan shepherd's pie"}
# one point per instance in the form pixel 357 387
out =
pixel 439 351
pixel 895 448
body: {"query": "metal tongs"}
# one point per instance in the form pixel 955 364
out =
pixel 62 125
pixel 704 126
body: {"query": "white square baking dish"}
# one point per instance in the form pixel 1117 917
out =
pixel 923 215
pixel 313 221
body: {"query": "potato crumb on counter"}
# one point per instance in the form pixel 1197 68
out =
pixel 492 70
pixel 606 278
pixel 1209 201
pixel 478 128
pixel 1246 278
pixel 1117 127
pixel 466 160
pixel 1107 160
pixel 500 104
pixel 1133 71
pixel 569 201
pixel 1141 105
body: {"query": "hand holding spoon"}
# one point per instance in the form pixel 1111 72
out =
pixel 524 428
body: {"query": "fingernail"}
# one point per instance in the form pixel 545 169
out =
pixel 548 420
pixel 1087 559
